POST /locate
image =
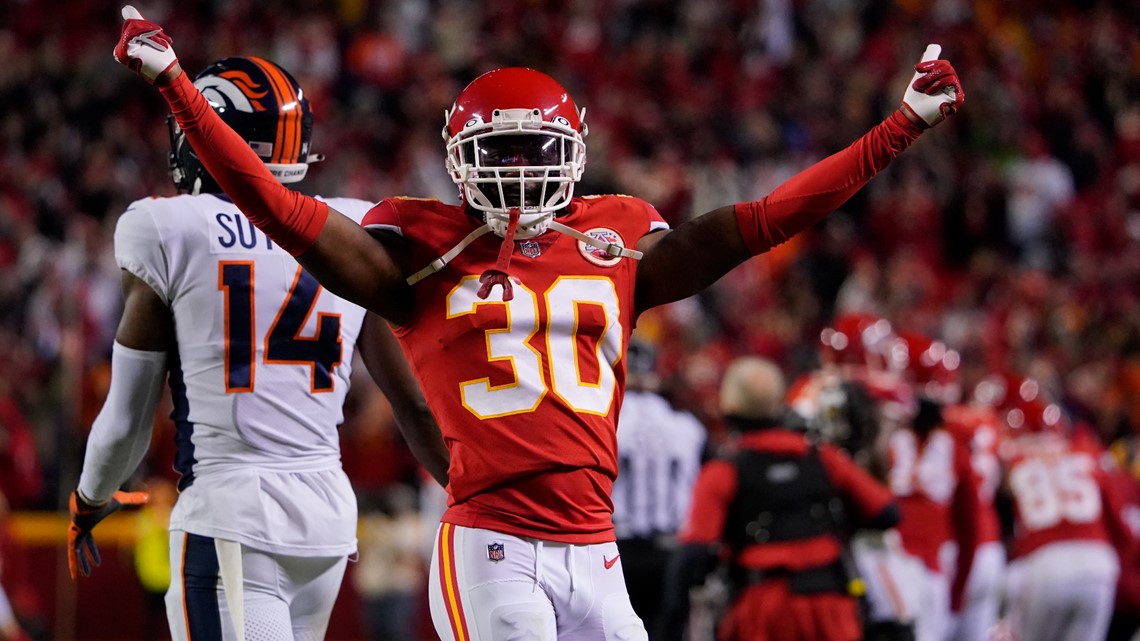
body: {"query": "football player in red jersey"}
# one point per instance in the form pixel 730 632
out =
pixel 937 492
pixel 931 474
pixel 933 370
pixel 526 384
pixel 1064 567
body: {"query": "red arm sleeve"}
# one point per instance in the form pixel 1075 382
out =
pixel 712 494
pixel 815 192
pixel 1116 504
pixel 291 219
pixel 860 489
pixel 967 526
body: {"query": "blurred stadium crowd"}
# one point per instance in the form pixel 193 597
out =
pixel 1013 233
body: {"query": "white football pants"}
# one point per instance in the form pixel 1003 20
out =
pixel 490 586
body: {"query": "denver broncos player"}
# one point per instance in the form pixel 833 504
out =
pixel 527 384
pixel 259 358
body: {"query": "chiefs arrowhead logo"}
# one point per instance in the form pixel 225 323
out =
pixel 598 256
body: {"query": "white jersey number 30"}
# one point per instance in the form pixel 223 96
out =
pixel 564 302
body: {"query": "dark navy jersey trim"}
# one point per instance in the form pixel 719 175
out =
pixel 184 460
pixel 200 576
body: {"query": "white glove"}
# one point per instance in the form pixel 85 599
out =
pixel 935 91
pixel 143 47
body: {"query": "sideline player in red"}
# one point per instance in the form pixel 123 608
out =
pixel 933 369
pixel 526 387
pixel 938 493
pixel 1064 567
pixel 976 425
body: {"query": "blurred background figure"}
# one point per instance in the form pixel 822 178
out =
pixel 390 573
pixel 659 455
pixel 934 369
pixel 932 477
pixel 21 478
pixel 10 627
pixel 1067 527
pixel 856 401
pixel 777 510
pixel 152 554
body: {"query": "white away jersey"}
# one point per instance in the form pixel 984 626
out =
pixel 259 376
pixel 659 457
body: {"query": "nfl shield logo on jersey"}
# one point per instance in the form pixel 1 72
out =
pixel 530 249
pixel 597 256
pixel 496 552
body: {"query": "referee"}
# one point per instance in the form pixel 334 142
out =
pixel 659 456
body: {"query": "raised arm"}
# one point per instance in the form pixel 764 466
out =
pixel 681 263
pixel 345 258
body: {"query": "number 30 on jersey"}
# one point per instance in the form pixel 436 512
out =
pixel 564 301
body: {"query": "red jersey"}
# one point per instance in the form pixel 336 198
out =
pixel 1057 486
pixel 977 427
pixel 717 487
pixel 937 494
pixel 526 392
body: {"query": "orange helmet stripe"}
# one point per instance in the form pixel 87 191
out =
pixel 286 147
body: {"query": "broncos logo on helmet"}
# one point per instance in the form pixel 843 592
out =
pixel 233 89
pixel 265 106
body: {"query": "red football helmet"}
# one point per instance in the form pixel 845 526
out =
pixel 857 339
pixel 515 141
pixel 1003 390
pixel 1033 416
pixel 929 365
pixel 1021 403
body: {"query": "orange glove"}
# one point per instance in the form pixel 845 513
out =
pixel 84 518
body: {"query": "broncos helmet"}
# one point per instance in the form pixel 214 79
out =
pixel 265 106
pixel 515 141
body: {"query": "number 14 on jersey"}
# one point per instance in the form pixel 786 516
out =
pixel 283 343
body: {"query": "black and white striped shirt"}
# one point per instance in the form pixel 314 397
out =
pixel 659 456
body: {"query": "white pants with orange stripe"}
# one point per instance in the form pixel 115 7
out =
pixel 893 579
pixel 490 586
pixel 224 591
